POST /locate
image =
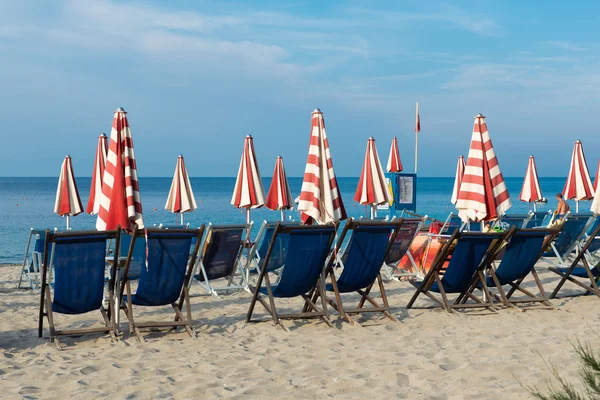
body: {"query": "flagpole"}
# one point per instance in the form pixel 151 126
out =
pixel 417 129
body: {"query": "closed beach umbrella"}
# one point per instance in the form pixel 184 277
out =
pixel 279 196
pixel 93 205
pixel 320 198
pixel 120 202
pixel 248 192
pixel 68 203
pixel 460 171
pixel 372 187
pixel 596 179
pixel 579 184
pixel 394 164
pixel 181 197
pixel 531 191
pixel 483 195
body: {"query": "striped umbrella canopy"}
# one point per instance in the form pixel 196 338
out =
pixel 531 191
pixel 372 186
pixel 596 179
pixel 460 172
pixel 483 195
pixel 248 191
pixel 93 205
pixel 67 202
pixel 579 184
pixel 120 203
pixel 279 196
pixel 181 197
pixel 394 164
pixel 320 199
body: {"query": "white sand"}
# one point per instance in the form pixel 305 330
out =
pixel 429 354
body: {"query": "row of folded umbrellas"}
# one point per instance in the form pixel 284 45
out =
pixel 479 194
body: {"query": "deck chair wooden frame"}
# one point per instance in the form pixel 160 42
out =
pixel 108 316
pixel 239 269
pixel 365 293
pixel 254 259
pixel 592 288
pixel 436 272
pixel 505 298
pixel 397 273
pixel 310 309
pixel 181 319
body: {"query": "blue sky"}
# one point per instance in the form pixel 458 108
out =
pixel 196 77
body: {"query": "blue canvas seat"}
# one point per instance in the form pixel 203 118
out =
pixel 261 246
pixel 164 278
pixel 78 260
pixel 468 253
pixel 307 250
pixel 581 272
pixel 220 258
pixel 361 261
pixel 539 219
pixel 524 249
pixel 572 231
pixel 519 221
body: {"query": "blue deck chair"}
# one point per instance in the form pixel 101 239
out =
pixel 32 262
pixel 164 279
pixel 594 246
pixel 361 260
pixel 78 260
pixel 405 235
pixel 220 258
pixel 261 246
pixel 524 249
pixel 519 221
pixel 453 223
pixel 539 219
pixel 307 251
pixel 468 253
pixel 578 274
pixel 572 231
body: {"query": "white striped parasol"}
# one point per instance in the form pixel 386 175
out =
pixel 597 175
pixel 531 191
pixel 579 184
pixel 181 197
pixel 372 187
pixel 93 205
pixel 67 203
pixel 483 195
pixel 394 164
pixel 320 199
pixel 279 196
pixel 460 172
pixel 248 191
pixel 120 203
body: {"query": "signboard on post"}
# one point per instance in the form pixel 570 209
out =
pixel 404 191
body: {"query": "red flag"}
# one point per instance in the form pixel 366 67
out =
pixel 418 121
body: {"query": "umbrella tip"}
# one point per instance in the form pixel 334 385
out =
pixel 316 110
pixel 180 156
pixel 280 157
pixel 371 138
pixel 480 115
pixel 248 136
pixel 120 110
pixel 102 135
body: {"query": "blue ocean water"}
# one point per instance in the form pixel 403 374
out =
pixel 28 202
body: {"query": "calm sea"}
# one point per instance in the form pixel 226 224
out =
pixel 28 202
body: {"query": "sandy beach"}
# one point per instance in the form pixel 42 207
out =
pixel 428 355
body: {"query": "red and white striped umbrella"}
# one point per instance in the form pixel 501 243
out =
pixel 320 198
pixel 460 172
pixel 248 192
pixel 531 191
pixel 67 202
pixel 181 197
pixel 93 205
pixel 120 202
pixel 579 184
pixel 394 164
pixel 483 195
pixel 279 196
pixel 372 187
pixel 597 175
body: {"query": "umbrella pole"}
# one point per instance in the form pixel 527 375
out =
pixel 68 222
pixel 282 215
pixel 373 211
pixel 534 207
pixel 247 215
pixel 181 215
pixel 576 206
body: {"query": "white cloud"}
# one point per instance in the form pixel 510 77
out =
pixel 566 46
